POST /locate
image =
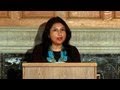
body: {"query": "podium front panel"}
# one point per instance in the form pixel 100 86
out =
pixel 59 70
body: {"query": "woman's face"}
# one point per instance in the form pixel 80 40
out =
pixel 57 34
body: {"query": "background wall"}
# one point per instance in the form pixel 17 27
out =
pixel 94 33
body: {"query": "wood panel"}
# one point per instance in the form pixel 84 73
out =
pixel 75 19
pixel 37 14
pixel 4 14
pixel 84 14
pixel 116 14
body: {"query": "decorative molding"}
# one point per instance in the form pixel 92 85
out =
pixel 84 14
pixel 4 14
pixel 87 40
pixel 36 14
pixel 96 41
pixel 108 15
pixel 16 40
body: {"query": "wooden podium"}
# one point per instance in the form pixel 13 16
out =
pixel 59 70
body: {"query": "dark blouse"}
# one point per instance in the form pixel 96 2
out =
pixel 56 55
pixel 37 54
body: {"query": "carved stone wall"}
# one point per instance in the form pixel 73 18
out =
pixel 91 41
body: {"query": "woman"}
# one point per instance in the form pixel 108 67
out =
pixel 55 45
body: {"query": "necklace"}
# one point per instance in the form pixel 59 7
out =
pixel 63 56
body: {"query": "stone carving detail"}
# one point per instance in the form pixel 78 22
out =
pixel 108 15
pixel 86 40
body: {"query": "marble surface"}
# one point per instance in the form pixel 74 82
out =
pixel 108 65
pixel 11 66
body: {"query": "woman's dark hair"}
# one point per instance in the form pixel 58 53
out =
pixel 46 41
pixel 45 37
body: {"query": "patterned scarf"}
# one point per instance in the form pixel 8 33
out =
pixel 63 56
